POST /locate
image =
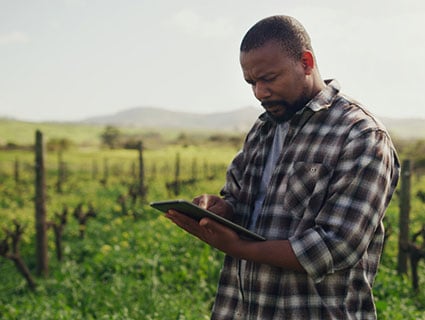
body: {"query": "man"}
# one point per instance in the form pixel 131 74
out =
pixel 314 177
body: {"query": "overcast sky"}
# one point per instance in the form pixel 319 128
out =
pixel 72 59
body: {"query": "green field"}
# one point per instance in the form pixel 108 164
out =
pixel 86 136
pixel 133 263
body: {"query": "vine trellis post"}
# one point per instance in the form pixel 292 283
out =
pixel 40 207
pixel 404 206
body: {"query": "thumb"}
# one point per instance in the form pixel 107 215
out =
pixel 209 224
pixel 205 222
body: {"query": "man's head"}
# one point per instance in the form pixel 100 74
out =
pixel 278 61
pixel 284 30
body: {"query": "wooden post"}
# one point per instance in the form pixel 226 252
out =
pixel 177 175
pixel 142 188
pixel 40 207
pixel 104 180
pixel 403 240
pixel 16 171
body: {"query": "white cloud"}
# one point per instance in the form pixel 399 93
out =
pixel 13 37
pixel 193 23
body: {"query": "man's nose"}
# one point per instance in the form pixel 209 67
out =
pixel 261 91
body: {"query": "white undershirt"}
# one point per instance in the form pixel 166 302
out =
pixel 274 154
pixel 275 151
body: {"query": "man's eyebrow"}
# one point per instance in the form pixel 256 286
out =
pixel 262 77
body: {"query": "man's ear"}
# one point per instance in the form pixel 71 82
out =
pixel 307 61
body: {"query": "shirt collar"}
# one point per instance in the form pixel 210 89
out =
pixel 324 99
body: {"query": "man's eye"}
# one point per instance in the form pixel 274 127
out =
pixel 269 79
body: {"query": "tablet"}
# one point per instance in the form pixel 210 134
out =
pixel 197 213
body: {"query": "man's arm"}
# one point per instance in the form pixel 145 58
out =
pixel 278 253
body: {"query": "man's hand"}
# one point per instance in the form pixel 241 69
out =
pixel 209 231
pixel 214 204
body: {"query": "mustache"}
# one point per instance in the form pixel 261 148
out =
pixel 271 103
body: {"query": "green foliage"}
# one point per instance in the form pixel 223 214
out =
pixel 133 263
pixel 394 297
pixel 123 270
pixel 110 137
pixel 59 144
pixel 130 265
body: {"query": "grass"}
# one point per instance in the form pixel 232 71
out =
pixel 84 135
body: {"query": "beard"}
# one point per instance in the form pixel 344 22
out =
pixel 281 111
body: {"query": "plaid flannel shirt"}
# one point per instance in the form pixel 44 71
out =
pixel 328 194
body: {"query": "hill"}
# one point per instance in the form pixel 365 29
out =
pixel 146 117
pixel 235 120
pixel 169 123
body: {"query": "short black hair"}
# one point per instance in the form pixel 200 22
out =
pixel 285 30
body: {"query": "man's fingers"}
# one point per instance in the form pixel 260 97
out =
pixel 211 225
pixel 203 201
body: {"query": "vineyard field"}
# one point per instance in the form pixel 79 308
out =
pixel 132 263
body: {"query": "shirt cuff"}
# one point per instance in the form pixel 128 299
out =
pixel 313 254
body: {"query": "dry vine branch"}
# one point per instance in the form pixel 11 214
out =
pixel 11 251
pixel 83 217
pixel 416 253
pixel 58 227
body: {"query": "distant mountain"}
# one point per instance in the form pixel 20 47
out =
pixel 147 117
pixel 235 120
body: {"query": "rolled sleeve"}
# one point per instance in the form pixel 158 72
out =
pixel 310 248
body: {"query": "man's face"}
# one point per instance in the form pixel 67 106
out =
pixel 278 81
